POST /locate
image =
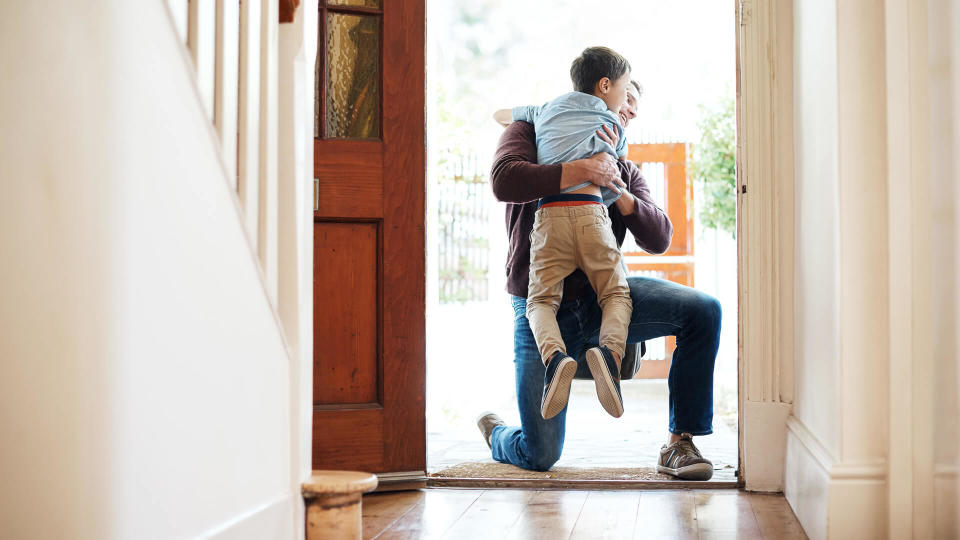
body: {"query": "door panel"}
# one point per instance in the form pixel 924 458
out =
pixel 363 451
pixel 360 162
pixel 369 233
pixel 346 255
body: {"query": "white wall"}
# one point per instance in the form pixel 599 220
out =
pixel 817 220
pixel 943 47
pixel 145 383
pixel 952 20
pixel 814 430
pixel 837 440
pixel 872 445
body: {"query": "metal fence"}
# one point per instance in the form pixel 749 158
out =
pixel 464 200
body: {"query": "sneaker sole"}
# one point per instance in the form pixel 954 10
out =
pixel 559 391
pixel 606 391
pixel 697 471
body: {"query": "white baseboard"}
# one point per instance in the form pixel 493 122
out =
pixel 858 503
pixel 806 480
pixel 831 499
pixel 272 519
pixel 764 444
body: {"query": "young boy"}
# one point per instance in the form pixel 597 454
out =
pixel 572 229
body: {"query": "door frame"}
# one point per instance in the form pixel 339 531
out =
pixel 765 227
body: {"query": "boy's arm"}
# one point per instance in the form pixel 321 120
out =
pixel 526 113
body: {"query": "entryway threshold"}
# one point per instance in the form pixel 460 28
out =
pixel 491 474
pixel 560 483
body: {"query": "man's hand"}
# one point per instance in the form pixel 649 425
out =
pixel 609 135
pixel 600 169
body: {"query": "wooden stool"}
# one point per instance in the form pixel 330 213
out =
pixel 333 503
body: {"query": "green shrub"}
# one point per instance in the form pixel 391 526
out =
pixel 714 166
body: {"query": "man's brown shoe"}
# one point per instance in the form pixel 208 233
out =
pixel 683 460
pixel 486 422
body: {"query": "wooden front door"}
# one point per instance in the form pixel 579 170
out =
pixel 369 239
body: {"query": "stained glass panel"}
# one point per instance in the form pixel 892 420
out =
pixel 353 76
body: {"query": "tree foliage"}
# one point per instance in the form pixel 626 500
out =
pixel 714 166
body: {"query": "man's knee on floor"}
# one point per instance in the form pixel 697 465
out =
pixel 544 461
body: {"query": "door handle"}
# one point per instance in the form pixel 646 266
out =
pixel 316 194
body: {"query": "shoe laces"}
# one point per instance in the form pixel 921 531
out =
pixel 686 446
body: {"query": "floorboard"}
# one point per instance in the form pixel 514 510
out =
pixel 667 514
pixel 774 516
pixel 491 516
pixel 725 514
pixel 506 514
pixel 380 510
pixel 435 512
pixel 549 515
pixel 607 514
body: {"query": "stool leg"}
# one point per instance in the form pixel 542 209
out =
pixel 335 516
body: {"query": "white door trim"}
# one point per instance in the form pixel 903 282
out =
pixel 765 227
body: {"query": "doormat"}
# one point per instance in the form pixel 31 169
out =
pixel 496 474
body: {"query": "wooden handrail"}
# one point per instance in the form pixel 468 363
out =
pixel 288 10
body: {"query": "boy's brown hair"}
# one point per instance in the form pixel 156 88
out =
pixel 595 63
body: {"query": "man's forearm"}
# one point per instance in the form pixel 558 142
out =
pixel 515 175
pixel 572 173
pixel 648 223
pixel 625 203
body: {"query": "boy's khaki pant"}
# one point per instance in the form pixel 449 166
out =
pixel 563 239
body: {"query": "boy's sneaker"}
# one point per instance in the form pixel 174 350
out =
pixel 486 422
pixel 683 460
pixel 606 377
pixel 556 384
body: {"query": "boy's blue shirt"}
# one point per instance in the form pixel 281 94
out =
pixel 566 130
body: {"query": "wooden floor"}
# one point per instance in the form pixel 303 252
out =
pixel 507 514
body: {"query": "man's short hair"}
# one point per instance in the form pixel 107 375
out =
pixel 638 87
pixel 595 63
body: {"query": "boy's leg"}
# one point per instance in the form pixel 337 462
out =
pixel 537 443
pixel 552 254
pixel 599 258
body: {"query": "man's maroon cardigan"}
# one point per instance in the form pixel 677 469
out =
pixel 519 181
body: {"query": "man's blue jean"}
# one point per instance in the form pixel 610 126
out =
pixel 660 308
